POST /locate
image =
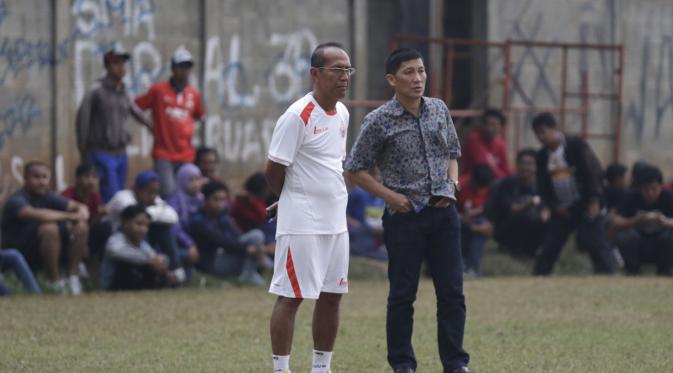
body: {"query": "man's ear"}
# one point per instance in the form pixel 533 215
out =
pixel 391 80
pixel 314 73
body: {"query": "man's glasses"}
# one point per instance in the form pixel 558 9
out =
pixel 338 70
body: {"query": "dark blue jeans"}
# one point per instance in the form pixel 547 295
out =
pixel 12 258
pixel 112 170
pixel 432 234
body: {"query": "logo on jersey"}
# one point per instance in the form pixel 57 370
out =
pixel 343 283
pixel 317 131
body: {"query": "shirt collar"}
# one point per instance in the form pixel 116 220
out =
pixel 396 109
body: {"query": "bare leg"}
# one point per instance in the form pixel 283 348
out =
pixel 282 325
pixel 326 321
pixel 50 249
pixel 78 246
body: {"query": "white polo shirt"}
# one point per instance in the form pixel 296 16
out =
pixel 312 144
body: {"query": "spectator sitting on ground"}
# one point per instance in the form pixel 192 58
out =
pixel 249 208
pixel 187 200
pixel 616 185
pixel 85 191
pixel 47 228
pixel 161 236
pixel 365 240
pixel 515 209
pixel 206 160
pixel 644 223
pixel 223 250
pixel 14 260
pixel 485 145
pixel 475 228
pixel 129 262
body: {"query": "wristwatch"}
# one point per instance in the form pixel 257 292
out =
pixel 456 185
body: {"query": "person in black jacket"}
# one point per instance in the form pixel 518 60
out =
pixel 516 210
pixel 569 178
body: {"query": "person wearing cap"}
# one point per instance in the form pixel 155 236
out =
pixel 163 217
pixel 101 123
pixel 175 105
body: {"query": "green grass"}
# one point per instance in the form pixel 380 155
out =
pixel 558 324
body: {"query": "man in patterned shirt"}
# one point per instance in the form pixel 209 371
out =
pixel 413 142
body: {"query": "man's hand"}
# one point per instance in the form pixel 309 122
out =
pixel 158 263
pixel 442 203
pixel 193 254
pixel 593 209
pixel 398 202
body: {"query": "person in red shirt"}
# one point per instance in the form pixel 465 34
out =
pixel 249 209
pixel 85 191
pixel 485 145
pixel 475 228
pixel 175 105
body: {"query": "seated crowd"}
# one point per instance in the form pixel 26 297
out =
pixel 138 240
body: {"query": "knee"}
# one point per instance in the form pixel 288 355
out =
pixel 330 299
pixel 80 229
pixel 256 237
pixel 291 304
pixel 626 238
pixel 48 230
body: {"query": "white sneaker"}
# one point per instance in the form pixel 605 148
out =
pixel 180 275
pixel 74 285
pixel 83 272
pixel 252 278
pixel 57 287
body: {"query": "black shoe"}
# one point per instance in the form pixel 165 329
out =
pixel 463 369
pixel 404 370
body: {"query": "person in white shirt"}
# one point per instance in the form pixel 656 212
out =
pixel 161 233
pixel 304 168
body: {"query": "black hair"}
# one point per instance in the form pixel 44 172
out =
pixel 647 174
pixel 257 185
pixel 318 55
pixel 132 211
pixel 32 164
pixel 482 175
pixel 398 56
pixel 544 120
pixel 85 169
pixel 495 113
pixel 202 151
pixel 614 171
pixel 527 152
pixel 212 187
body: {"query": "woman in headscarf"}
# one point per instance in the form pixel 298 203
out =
pixel 186 201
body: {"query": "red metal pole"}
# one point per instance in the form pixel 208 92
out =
pixel 448 76
pixel 620 95
pixel 507 75
pixel 585 103
pixel 564 77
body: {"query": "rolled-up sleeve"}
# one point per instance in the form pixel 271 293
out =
pixel 452 136
pixel 367 146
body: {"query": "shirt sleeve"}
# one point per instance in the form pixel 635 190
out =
pixel 367 146
pixel 452 136
pixel 119 248
pixel 83 121
pixel 57 202
pixel 146 101
pixel 15 204
pixel 288 135
pixel 626 207
pixel 199 110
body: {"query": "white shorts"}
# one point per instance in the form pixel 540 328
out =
pixel 307 265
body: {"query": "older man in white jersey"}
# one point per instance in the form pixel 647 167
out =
pixel 304 168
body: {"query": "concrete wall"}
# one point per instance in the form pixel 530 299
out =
pixel 252 60
pixel 646 30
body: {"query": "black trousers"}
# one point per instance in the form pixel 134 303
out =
pixel 590 236
pixel 129 276
pixel 637 249
pixel 432 234
pixel 522 233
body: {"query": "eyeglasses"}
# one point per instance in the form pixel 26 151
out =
pixel 338 70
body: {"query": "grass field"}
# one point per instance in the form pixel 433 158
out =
pixel 559 324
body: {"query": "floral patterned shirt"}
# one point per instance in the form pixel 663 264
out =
pixel 411 152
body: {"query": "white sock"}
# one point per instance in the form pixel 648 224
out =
pixel 281 363
pixel 321 361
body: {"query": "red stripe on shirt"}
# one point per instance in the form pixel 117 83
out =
pixel 292 275
pixel 306 113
